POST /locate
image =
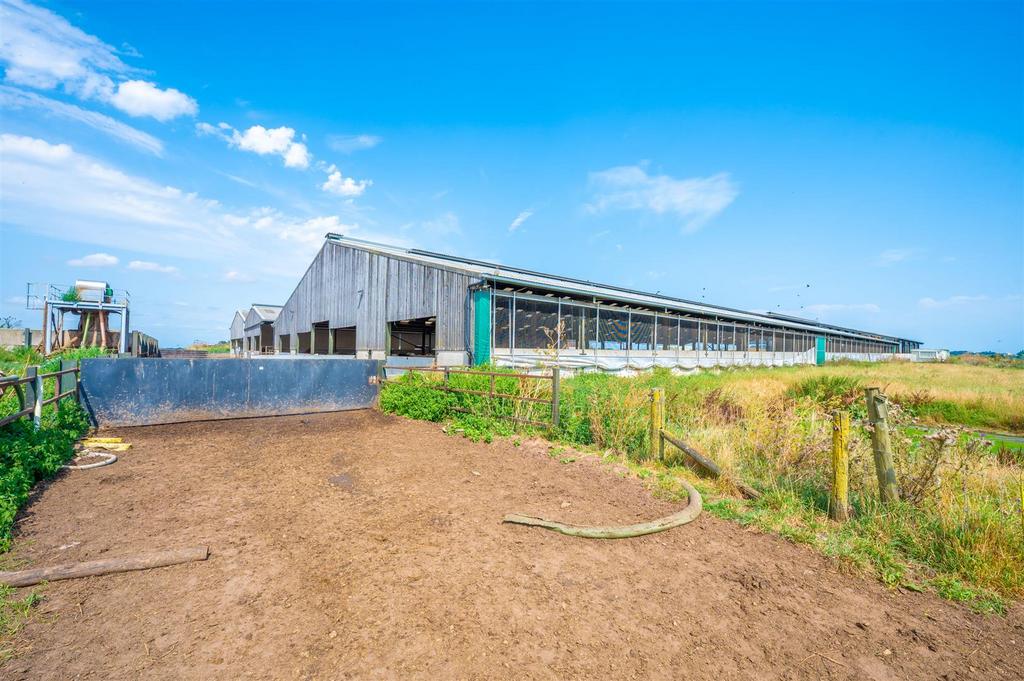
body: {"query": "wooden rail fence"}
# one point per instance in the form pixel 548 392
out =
pixel 29 389
pixel 446 386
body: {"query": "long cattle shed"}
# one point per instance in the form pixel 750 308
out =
pixel 373 301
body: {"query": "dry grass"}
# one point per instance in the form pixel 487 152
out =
pixel 959 531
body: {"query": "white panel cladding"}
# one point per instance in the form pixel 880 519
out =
pixel 353 287
pixel 238 325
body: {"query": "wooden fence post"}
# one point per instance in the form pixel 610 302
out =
pixel 839 502
pixel 657 447
pixel 556 389
pixel 29 398
pixel 37 396
pixel 878 415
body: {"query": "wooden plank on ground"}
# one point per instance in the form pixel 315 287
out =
pixel 93 568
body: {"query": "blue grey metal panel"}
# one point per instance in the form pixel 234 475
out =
pixel 146 391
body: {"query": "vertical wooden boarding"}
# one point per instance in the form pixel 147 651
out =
pixel 839 502
pixel 878 417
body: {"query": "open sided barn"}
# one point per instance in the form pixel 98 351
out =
pixel 259 329
pixel 372 301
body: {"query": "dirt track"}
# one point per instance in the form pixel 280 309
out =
pixel 357 545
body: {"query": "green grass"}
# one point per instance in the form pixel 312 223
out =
pixel 14 612
pixel 960 532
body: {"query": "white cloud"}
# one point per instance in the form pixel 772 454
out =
pixel 263 141
pixel 346 144
pixel 932 303
pixel 147 266
pixel 42 50
pixel 34 149
pixel 102 205
pixel 694 200
pixel 142 98
pixel 94 260
pixel 891 256
pixel 344 186
pixel 297 156
pixel 239 277
pixel 16 98
pixel 520 219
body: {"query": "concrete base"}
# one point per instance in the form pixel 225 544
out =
pixel 371 354
pixel 452 358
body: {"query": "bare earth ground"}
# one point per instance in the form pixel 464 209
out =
pixel 358 545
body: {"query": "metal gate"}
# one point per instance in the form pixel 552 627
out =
pixel 146 391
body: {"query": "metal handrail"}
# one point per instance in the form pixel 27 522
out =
pixel 52 374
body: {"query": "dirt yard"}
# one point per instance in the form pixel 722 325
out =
pixel 357 545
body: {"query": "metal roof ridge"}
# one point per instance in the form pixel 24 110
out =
pixel 494 270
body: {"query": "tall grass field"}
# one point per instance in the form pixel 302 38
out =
pixel 958 529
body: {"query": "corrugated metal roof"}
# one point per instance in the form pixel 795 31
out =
pixel 267 313
pixel 521 278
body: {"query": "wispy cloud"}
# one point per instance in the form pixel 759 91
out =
pixel 952 301
pixel 94 260
pixel 442 226
pixel 891 256
pixel 346 144
pixel 16 98
pixel 105 206
pixel 520 219
pixel 147 266
pixel 693 200
pixel 238 277
pixel 42 50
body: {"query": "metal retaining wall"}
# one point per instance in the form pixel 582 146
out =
pixel 146 391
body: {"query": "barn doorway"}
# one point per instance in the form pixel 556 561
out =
pixel 344 340
pixel 413 337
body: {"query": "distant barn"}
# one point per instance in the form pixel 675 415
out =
pixel 252 330
pixel 371 300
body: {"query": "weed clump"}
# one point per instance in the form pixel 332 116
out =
pixel 828 392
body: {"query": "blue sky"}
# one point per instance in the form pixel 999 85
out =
pixel 857 163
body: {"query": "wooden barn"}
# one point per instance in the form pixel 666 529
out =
pixel 238 332
pixel 375 301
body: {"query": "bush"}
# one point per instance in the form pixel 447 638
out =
pixel 411 395
pixel 28 456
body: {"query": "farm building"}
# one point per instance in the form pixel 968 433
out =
pixel 238 332
pixel 371 300
pixel 259 328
